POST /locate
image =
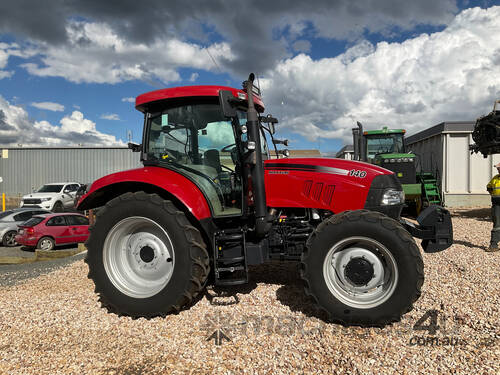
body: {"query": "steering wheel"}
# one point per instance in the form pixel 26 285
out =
pixel 233 151
pixel 226 148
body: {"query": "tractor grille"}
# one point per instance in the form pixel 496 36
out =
pixel 405 171
pixel 32 201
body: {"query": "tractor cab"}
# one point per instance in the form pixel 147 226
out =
pixel 385 143
pixel 192 136
pixel 386 148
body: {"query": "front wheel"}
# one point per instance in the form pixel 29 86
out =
pixel 362 268
pixel 144 256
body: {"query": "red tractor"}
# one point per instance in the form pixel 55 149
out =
pixel 209 202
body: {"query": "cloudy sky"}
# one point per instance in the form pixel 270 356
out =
pixel 70 69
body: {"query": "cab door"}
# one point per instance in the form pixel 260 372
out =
pixel 198 142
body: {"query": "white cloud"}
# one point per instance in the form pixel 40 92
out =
pixel 445 76
pixel 49 106
pixel 110 116
pixel 128 100
pixel 97 54
pixel 193 77
pixel 12 49
pixel 17 128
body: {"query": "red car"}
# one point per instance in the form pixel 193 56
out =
pixel 47 231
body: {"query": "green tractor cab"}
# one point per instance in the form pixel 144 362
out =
pixel 387 148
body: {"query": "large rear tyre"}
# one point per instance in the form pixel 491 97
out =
pixel 362 268
pixel 144 256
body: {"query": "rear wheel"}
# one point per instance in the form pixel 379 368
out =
pixel 144 256
pixel 362 268
pixel 46 243
pixel 9 239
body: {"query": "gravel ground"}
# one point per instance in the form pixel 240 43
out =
pixel 53 325
pixel 11 274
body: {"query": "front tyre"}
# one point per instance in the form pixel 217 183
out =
pixel 362 268
pixel 144 256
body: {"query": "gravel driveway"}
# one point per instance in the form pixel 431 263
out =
pixel 53 324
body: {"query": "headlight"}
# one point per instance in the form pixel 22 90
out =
pixel 392 196
pixel 45 199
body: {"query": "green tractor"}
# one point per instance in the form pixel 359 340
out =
pixel 386 148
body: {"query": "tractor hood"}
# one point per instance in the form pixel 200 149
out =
pixel 323 183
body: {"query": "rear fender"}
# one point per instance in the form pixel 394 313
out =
pixel 162 181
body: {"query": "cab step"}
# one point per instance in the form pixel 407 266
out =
pixel 230 258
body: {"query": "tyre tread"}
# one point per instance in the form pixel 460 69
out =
pixel 372 217
pixel 200 263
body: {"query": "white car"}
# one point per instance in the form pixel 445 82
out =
pixel 54 197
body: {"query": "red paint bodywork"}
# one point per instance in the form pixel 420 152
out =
pixel 174 183
pixel 284 187
pixel 319 189
pixel 189 91
pixel 62 234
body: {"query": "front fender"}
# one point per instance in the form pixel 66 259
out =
pixel 151 180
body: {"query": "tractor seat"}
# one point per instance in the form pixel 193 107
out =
pixel 212 159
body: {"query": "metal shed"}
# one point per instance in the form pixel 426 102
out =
pixel 444 150
pixel 25 169
pixel 346 152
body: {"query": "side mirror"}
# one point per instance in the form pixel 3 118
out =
pixel 280 142
pixel 135 147
pixel 270 120
pixel 225 98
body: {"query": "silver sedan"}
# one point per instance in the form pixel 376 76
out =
pixel 9 220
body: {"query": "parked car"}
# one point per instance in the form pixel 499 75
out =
pixel 50 230
pixel 9 220
pixel 54 197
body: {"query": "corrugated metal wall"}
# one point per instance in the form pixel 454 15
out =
pixel 464 176
pixel 26 169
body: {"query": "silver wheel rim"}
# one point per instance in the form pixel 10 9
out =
pixel 10 239
pixel 138 257
pixel 377 290
pixel 46 244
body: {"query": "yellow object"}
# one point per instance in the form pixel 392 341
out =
pixel 493 186
pixel 3 201
pixel 5 153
